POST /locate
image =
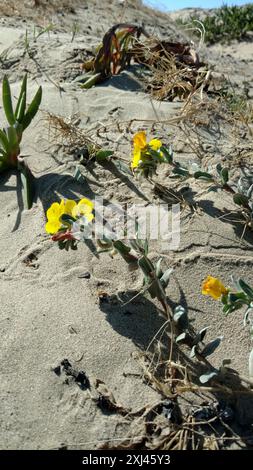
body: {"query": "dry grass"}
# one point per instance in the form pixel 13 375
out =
pixel 176 70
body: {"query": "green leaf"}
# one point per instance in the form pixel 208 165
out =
pixel 67 219
pixel 27 179
pixel 13 140
pixel 205 378
pixel 246 288
pixel 241 200
pixel 179 170
pixel 123 168
pixel 211 347
pixel 4 141
pixel 158 269
pixel 7 101
pixel 202 174
pixel 200 336
pixel 166 277
pixel 182 337
pixel 167 153
pixel 78 176
pixel 194 350
pixel 103 155
pixel 32 109
pixel 91 81
pixel 180 317
pixel 121 247
pixel 246 316
pixel 21 103
pixel 224 175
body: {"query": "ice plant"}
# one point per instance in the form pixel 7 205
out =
pixel 10 137
pixel 213 287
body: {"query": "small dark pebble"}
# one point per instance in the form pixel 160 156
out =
pixel 57 370
pixel 85 275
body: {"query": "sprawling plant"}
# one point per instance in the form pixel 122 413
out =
pixel 10 137
pixel 240 295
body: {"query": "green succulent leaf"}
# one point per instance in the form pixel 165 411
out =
pixel 32 109
pixel 27 179
pixel 7 101
pixel 4 141
pixel 21 103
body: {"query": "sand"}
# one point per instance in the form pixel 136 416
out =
pixel 49 311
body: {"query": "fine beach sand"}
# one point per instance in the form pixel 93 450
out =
pixel 49 310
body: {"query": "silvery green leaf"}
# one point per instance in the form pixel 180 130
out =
pixel 246 288
pixel 225 175
pixel 167 153
pixel 79 176
pixel 241 199
pixel 181 337
pixel 180 317
pixel 122 167
pixel 246 316
pixel 181 171
pixel 193 351
pixel 166 277
pixel 205 378
pixel 211 347
pixel 203 175
pixel 200 336
pixel 235 283
pixel 158 268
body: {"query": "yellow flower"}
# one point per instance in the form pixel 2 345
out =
pixel 140 145
pixel 155 144
pixel 213 287
pixel 55 211
pixel 84 207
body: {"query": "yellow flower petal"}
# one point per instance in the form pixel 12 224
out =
pixel 69 206
pixel 87 202
pixel 53 226
pixel 136 158
pixel 213 287
pixel 54 210
pixel 84 207
pixel 140 140
pixel 155 144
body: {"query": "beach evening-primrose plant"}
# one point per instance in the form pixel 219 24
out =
pixel 70 222
pixel 146 155
pixel 233 299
